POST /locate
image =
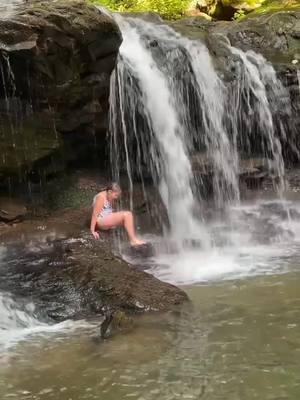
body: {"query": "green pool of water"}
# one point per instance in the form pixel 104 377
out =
pixel 238 340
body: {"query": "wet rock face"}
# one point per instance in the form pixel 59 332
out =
pixel 275 35
pixel 56 59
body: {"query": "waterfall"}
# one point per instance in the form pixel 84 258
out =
pixel 140 89
pixel 168 104
pixel 7 8
pixel 265 96
pixel 212 99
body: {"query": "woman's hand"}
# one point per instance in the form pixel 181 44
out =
pixel 96 235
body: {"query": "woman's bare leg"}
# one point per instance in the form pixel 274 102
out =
pixel 124 218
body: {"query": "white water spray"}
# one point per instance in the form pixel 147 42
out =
pixel 7 7
pixel 19 322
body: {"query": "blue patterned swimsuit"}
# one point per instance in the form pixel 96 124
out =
pixel 106 209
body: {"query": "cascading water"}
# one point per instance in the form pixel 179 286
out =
pixel 190 86
pixel 6 8
pixel 17 321
pixel 168 104
pixel 138 76
pixel 20 319
pixel 196 85
pixel 258 81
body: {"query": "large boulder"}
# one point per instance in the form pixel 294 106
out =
pixel 77 277
pixel 56 59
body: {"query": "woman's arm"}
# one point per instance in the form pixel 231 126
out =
pixel 96 210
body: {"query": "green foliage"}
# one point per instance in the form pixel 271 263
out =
pixel 174 9
pixel 276 5
pixel 116 5
pixel 239 14
pixel 237 3
pixel 168 9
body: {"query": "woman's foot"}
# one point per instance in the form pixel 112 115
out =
pixel 136 242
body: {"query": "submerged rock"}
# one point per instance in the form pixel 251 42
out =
pixel 55 61
pixel 116 322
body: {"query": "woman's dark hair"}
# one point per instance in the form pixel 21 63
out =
pixel 114 187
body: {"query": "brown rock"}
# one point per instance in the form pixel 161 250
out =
pixel 12 210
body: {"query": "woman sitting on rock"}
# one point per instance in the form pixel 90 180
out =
pixel 104 218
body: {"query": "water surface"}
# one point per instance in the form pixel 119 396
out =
pixel 240 340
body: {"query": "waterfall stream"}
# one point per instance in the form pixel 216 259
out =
pixel 7 7
pixel 170 106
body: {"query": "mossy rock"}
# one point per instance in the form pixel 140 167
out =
pixel 274 34
pixel 56 59
pixel 227 9
pixel 270 6
pixel 73 15
pixel 30 148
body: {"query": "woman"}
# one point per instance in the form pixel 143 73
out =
pixel 104 218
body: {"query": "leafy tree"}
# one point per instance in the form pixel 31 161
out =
pixel 169 9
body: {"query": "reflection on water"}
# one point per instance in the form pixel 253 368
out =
pixel 240 340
